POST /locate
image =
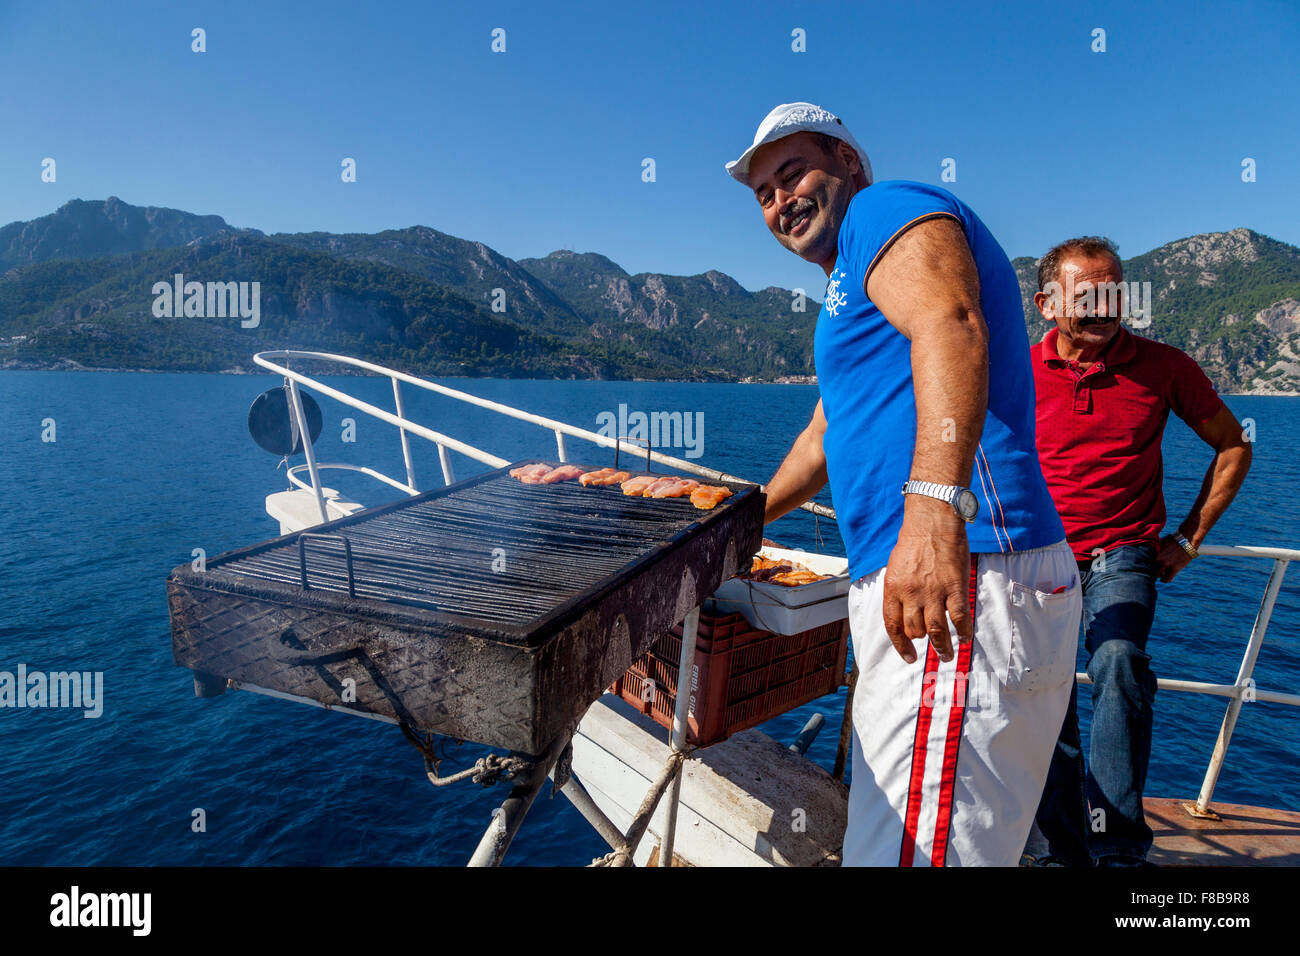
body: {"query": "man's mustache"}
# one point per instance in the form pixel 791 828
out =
pixel 794 212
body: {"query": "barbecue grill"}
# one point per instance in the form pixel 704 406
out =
pixel 490 610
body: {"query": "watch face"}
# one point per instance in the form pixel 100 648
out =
pixel 968 505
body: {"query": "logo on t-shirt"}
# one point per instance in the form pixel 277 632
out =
pixel 835 299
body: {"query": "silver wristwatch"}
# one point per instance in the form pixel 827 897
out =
pixel 962 500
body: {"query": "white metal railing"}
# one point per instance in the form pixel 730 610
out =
pixel 1242 689
pixel 444 442
pixel 369 472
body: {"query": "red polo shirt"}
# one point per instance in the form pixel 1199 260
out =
pixel 1099 432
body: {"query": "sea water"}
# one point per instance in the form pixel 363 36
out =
pixel 144 469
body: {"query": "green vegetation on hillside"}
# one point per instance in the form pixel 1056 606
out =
pixel 423 301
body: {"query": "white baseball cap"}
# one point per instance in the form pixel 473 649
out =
pixel 791 118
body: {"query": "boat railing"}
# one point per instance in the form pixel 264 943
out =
pixel 1242 690
pixel 445 443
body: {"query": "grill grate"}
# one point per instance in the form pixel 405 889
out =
pixel 409 611
pixel 496 551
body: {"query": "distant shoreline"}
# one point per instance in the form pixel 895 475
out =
pixel 77 367
pixel 782 380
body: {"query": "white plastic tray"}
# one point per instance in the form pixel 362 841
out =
pixel 789 610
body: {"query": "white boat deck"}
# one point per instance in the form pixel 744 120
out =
pixel 748 801
pixel 742 799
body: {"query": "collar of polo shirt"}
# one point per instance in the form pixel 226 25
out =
pixel 1119 350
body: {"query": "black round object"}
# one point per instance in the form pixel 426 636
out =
pixel 270 421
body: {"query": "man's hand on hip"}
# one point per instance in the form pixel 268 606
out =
pixel 927 580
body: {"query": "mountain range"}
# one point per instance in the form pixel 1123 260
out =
pixel 76 291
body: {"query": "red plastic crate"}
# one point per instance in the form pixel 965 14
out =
pixel 742 678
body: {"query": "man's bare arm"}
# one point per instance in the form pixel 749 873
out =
pixel 802 474
pixel 927 286
pixel 1223 478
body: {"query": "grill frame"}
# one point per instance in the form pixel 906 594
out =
pixel 514 686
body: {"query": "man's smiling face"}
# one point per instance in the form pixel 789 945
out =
pixel 804 193
pixel 1083 309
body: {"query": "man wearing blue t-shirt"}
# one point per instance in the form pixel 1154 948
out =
pixel 925 430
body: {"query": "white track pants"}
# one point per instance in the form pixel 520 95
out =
pixel 949 759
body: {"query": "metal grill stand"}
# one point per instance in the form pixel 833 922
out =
pixel 685 687
pixel 507 818
pixel 669 779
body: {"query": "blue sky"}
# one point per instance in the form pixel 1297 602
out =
pixel 541 147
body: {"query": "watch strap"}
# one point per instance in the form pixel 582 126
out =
pixel 930 489
pixel 948 494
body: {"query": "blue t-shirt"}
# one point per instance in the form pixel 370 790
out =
pixel 865 374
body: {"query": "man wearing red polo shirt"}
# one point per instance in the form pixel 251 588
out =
pixel 1104 395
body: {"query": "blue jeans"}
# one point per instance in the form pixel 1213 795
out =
pixel 1088 815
